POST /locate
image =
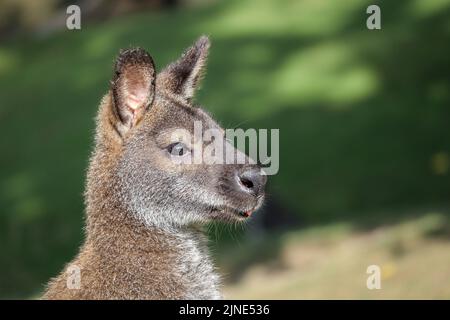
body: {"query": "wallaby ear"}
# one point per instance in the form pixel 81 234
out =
pixel 133 87
pixel 182 77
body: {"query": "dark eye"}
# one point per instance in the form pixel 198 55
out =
pixel 177 149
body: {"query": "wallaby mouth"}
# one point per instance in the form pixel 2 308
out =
pixel 227 213
pixel 246 214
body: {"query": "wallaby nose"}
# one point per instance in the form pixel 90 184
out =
pixel 252 181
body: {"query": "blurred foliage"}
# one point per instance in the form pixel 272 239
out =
pixel 363 115
pixel 44 17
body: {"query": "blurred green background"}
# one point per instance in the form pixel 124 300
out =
pixel 364 136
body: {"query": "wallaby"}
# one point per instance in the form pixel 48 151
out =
pixel 145 212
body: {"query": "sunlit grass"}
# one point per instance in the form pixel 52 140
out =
pixel 299 18
pixel 414 265
pixel 326 73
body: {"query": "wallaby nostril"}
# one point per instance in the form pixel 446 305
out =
pixel 246 182
pixel 251 181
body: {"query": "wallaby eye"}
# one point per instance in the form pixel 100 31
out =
pixel 177 149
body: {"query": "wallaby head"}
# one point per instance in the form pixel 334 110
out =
pixel 145 131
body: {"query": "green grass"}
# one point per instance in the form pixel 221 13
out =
pixel 363 115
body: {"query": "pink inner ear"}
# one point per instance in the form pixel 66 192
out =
pixel 136 100
pixel 136 94
pixel 133 91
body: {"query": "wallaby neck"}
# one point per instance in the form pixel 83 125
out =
pixel 173 256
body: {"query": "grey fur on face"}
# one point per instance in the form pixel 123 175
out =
pixel 143 211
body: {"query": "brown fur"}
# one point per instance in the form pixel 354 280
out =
pixel 130 253
pixel 119 256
